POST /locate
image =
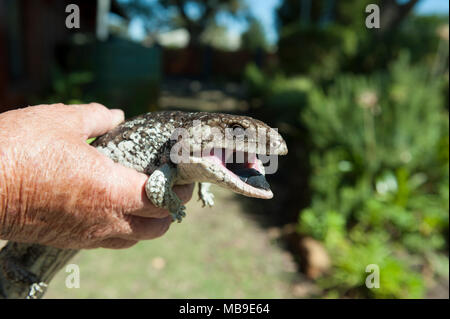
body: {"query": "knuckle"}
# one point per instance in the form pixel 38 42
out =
pixel 98 107
pixel 104 231
pixel 92 108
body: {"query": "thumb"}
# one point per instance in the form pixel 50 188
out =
pixel 127 187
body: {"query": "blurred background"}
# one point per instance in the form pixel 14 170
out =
pixel 364 113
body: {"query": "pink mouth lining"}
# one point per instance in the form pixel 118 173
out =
pixel 220 155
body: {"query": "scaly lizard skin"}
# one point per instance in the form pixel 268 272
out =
pixel 146 143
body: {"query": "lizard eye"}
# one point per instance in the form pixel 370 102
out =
pixel 237 130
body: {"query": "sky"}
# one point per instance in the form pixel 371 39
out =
pixel 432 6
pixel 264 10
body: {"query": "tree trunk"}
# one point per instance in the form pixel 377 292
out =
pixel 195 33
pixel 393 13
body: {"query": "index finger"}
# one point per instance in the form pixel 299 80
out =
pixel 97 119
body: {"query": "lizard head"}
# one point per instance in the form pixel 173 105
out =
pixel 230 151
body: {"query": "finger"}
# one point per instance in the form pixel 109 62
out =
pixel 141 228
pixel 184 193
pixel 116 243
pixel 97 119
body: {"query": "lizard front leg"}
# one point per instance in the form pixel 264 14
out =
pixel 205 195
pixel 159 190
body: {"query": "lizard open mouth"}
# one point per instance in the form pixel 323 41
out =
pixel 249 171
pixel 237 170
pixel 242 172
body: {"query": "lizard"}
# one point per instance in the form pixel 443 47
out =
pixel 211 142
pixel 172 148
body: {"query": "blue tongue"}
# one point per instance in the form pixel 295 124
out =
pixel 252 177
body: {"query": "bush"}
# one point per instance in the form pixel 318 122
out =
pixel 379 167
pixel 380 180
pixel 282 97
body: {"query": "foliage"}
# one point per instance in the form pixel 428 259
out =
pixel 254 38
pixel 196 16
pixel 378 151
pixel 66 88
pixel 370 109
pixel 283 97
pixel 216 36
pixel 318 38
pixel 380 179
pixel 327 37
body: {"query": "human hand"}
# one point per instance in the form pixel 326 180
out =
pixel 57 190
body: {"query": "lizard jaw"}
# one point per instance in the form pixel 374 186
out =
pixel 217 170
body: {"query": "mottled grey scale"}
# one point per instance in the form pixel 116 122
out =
pixel 137 143
pixel 163 158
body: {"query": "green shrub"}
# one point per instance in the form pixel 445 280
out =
pixel 68 88
pixel 379 180
pixel 281 98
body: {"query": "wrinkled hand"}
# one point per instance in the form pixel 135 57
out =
pixel 57 190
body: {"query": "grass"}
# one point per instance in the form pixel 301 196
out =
pixel 214 253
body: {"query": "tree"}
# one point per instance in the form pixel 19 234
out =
pixel 323 37
pixel 254 38
pixel 215 36
pixel 320 12
pixel 394 13
pixel 193 15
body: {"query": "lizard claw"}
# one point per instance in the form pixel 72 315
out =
pixel 207 200
pixel 37 290
pixel 205 195
pixel 179 214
